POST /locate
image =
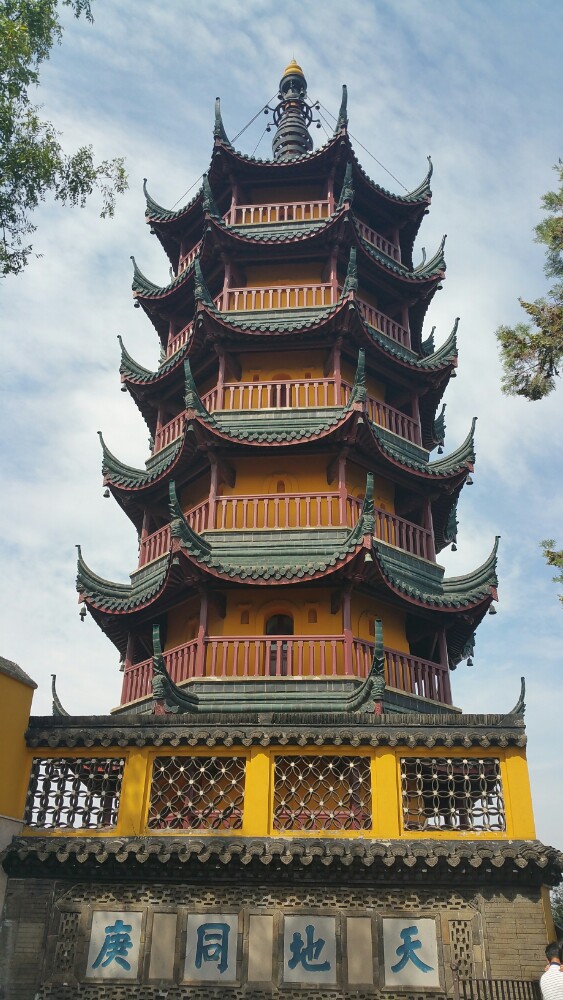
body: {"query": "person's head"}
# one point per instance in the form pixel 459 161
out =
pixel 553 952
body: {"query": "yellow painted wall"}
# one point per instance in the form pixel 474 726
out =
pixel 258 802
pixel 182 623
pixel 265 275
pixel 268 366
pixel 260 476
pixel 375 388
pixel 15 698
pixel 365 609
pixel 195 493
pixel 384 491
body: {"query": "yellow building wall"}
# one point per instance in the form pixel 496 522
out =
pixel 272 365
pixel 265 275
pixel 15 698
pixel 364 611
pixel 375 388
pixel 182 623
pixel 259 784
pixel 384 491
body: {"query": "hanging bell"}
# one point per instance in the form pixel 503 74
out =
pixel 106 494
pixel 469 481
pixel 454 547
pixel 492 610
pixel 82 613
pixel 440 449
pixel 469 661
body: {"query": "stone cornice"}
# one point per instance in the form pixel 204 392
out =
pixel 274 729
pixel 489 861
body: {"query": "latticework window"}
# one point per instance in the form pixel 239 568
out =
pixel 197 793
pixel 77 792
pixel 322 793
pixel 452 794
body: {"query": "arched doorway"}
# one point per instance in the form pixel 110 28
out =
pixel 279 624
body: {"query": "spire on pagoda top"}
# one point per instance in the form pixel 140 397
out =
pixel 292 116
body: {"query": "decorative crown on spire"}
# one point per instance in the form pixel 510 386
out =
pixel 292 116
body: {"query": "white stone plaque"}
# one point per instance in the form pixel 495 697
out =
pixel 115 943
pixel 211 947
pixel 309 949
pixel 410 952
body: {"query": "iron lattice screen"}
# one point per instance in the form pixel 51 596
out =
pixel 452 794
pixel 322 793
pixel 77 792
pixel 197 793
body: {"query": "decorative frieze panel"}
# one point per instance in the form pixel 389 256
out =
pixel 452 794
pixel 322 793
pixel 197 793
pixel 75 792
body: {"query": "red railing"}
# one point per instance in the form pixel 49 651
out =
pixel 386 325
pixel 178 341
pixel 299 510
pixel 284 394
pixel 241 657
pixel 275 395
pixel 379 241
pixel 296 211
pixel 189 258
pixel 279 297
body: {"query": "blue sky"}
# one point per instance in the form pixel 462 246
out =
pixel 476 85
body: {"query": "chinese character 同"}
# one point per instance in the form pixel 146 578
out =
pixel 307 954
pixel 115 947
pixel 407 951
pixel 212 945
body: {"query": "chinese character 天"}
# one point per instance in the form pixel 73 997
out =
pixel 307 953
pixel 213 945
pixel 408 949
pixel 116 945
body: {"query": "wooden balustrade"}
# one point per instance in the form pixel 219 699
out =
pixel 189 258
pixel 169 432
pixel 275 395
pixel 279 297
pixel 387 416
pixel 379 241
pixel 303 656
pixel 178 341
pixel 278 511
pixel 296 211
pixel 154 546
pixel 384 324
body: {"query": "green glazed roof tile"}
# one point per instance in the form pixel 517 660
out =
pixel 403 451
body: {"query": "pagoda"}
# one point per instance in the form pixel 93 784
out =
pixel 286 801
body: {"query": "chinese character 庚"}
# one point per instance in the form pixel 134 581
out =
pixel 212 945
pixel 307 954
pixel 408 949
pixel 115 947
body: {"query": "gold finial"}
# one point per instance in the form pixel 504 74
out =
pixel 293 68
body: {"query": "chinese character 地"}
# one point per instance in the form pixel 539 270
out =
pixel 408 949
pixel 115 947
pixel 212 945
pixel 307 954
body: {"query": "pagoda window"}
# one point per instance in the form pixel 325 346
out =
pixel 322 793
pixel 452 794
pixel 197 793
pixel 79 793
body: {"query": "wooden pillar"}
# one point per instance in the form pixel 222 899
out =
pixel 347 629
pixel 212 502
pixel 226 286
pixel 337 374
pixel 201 636
pixel 221 379
pixel 234 202
pixel 342 493
pixel 429 525
pixel 416 416
pixel 330 192
pixel 334 276
pixel 443 647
